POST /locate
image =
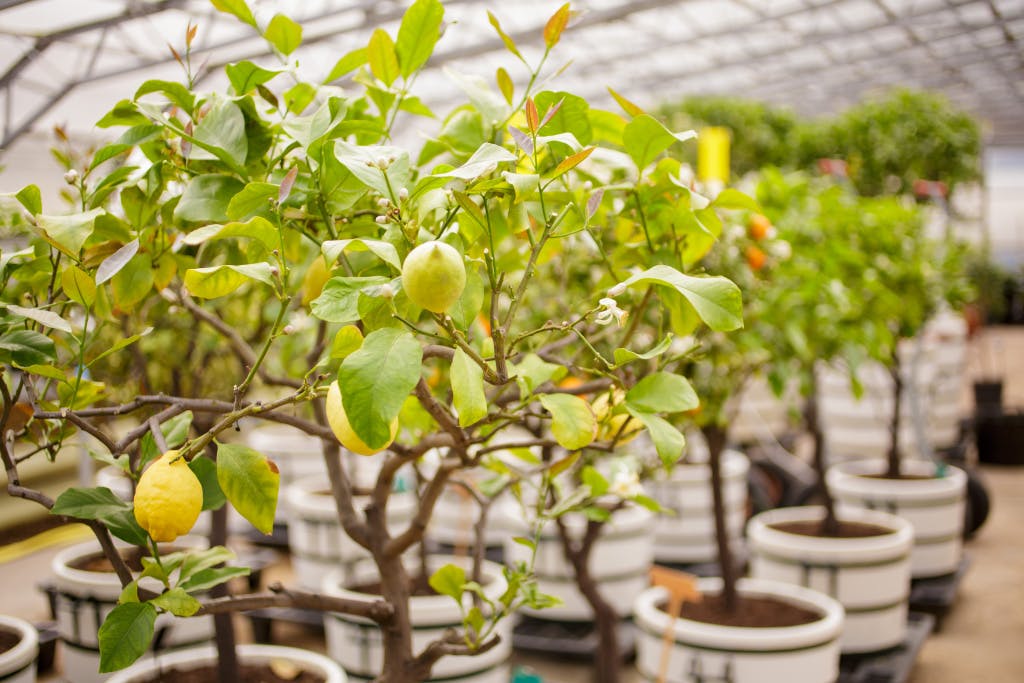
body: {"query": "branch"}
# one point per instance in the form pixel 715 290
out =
pixel 90 429
pixel 378 611
pixel 450 644
pixel 414 532
pixel 439 412
pixel 158 434
pixel 341 487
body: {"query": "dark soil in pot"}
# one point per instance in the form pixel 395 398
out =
pixel 8 640
pixel 419 586
pixel 96 562
pixel 751 612
pixel 904 477
pixel 260 673
pixel 844 530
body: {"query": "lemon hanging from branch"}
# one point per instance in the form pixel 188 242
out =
pixel 433 276
pixel 168 499
pixel 342 429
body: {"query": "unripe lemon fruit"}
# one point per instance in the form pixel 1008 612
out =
pixel 338 420
pixel 168 499
pixel 433 276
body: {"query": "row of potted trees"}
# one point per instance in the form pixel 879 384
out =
pixel 491 322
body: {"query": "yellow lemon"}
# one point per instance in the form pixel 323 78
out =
pixel 610 423
pixel 314 280
pixel 343 430
pixel 433 276
pixel 168 499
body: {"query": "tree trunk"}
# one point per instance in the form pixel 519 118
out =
pixel 829 525
pixel 397 633
pixel 607 658
pixel 223 624
pixel 894 427
pixel 715 437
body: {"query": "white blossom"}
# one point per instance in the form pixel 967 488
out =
pixel 610 311
pixel 626 484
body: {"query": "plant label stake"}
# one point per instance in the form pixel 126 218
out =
pixel 681 587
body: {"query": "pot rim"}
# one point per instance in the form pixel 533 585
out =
pixel 258 653
pixel 747 639
pixel 25 651
pixel 303 495
pixel 848 477
pixel 762 536
pixel 105 583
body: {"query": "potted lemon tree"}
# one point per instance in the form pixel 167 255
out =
pixel 279 211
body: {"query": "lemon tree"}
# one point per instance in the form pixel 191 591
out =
pixel 271 253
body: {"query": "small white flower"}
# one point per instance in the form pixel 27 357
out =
pixel 617 289
pixel 611 311
pixel 382 163
pixel 626 484
pixel 71 177
pixel 387 291
pixel 782 249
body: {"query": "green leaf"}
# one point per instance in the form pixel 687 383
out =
pixel 484 160
pixel 346 342
pixel 246 76
pixel 136 135
pixel 216 281
pixel 175 431
pixel 420 29
pixel 717 300
pixel 382 57
pixel 67 233
pixel 250 481
pixel 573 423
pixel 532 371
pixel 206 199
pixel 222 130
pixel 299 96
pixel 385 251
pixel 31 198
pixel 48 371
pixel 668 441
pixel 113 264
pixel 208 578
pixel 132 282
pixel 339 300
pixel 177 602
pixel 376 379
pixel 662 392
pixel 645 138
pixel 129 593
pixel 347 64
pixel 464 311
pixel 510 44
pixel 254 198
pixel 730 198
pixel 257 227
pixel 41 316
pixel 572 115
pixel 468 389
pixel 205 470
pixel 175 92
pixel 120 344
pixel 237 7
pixel 78 286
pixel 623 356
pixel 595 480
pixel 27 347
pixel 284 34
pixel 101 504
pixel 198 560
pixel 361 160
pixel 449 580
pixel 125 635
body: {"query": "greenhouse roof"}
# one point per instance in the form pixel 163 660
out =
pixel 65 61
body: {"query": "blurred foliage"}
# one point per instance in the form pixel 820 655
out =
pixel 888 142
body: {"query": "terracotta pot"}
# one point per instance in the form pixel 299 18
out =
pixel 869 576
pixel 808 653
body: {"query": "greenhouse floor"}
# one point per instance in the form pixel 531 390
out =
pixel 979 640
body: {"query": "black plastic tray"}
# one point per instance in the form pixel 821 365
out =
pixel 573 640
pixel 889 666
pixel 937 595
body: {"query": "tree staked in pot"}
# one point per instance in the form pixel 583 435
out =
pixel 259 239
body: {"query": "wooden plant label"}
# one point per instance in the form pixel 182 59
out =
pixel 681 587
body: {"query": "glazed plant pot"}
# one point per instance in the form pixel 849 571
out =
pixel 18 664
pixel 355 643
pixel 869 576
pixel 933 506
pixel 619 562
pixel 318 542
pixel 688 536
pixel 148 668
pixel 808 653
pixel 85 598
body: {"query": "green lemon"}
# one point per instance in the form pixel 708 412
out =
pixel 433 276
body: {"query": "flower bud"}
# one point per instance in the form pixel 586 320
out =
pixel 617 290
pixel 383 202
pixel 71 177
pixel 288 329
pixel 381 220
pixel 403 194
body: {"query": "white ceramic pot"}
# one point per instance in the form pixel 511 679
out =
pixel 688 535
pixel 85 598
pixel 934 507
pixel 757 413
pixel 454 520
pixel 619 561
pixel 808 653
pixel 146 668
pixel 18 665
pixel 317 541
pixel 355 643
pixel 869 576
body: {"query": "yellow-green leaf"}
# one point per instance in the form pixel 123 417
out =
pixel 284 34
pixel 468 389
pixel 382 57
pixel 556 24
pixel 573 423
